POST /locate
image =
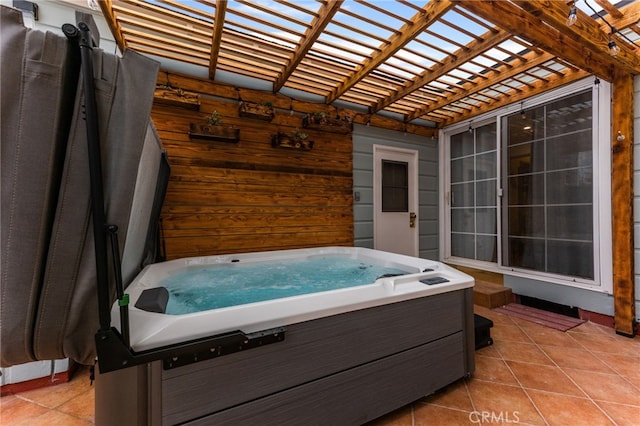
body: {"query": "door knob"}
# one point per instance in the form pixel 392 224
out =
pixel 412 219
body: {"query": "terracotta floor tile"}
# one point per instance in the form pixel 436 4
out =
pixel 54 396
pixel 511 333
pixel 14 409
pixel 81 406
pixel 544 377
pixel 503 399
pixel 493 370
pixel 572 357
pixel 560 410
pixel 590 328
pixel 605 387
pixel 549 336
pixel 621 414
pixel 430 415
pixel 525 352
pixel 600 342
pixel 627 365
pixel 55 418
pixel 454 396
pixel 489 351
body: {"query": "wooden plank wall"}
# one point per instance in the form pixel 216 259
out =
pixel 249 196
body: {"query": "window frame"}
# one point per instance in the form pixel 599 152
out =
pixel 602 229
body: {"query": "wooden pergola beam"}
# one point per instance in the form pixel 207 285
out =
pixel 458 58
pixel 622 207
pixel 216 36
pixel 631 16
pixel 516 96
pixel 585 28
pixel 522 24
pixel 319 23
pixel 498 75
pixel 419 22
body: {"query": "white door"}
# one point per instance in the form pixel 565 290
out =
pixel 395 200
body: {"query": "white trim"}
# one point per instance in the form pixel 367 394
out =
pixel 602 239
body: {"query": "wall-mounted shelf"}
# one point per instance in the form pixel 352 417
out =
pixel 177 97
pixel 322 121
pixel 216 133
pixel 285 140
pixel 258 111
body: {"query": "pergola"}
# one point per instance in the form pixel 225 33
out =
pixel 426 63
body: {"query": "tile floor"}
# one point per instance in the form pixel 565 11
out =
pixel 531 375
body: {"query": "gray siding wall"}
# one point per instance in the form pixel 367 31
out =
pixel 364 138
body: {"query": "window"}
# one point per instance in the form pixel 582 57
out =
pixel 395 186
pixel 527 191
pixel 548 184
pixel 473 194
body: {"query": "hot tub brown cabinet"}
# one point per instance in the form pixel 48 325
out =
pixel 344 369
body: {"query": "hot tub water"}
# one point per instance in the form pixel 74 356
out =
pixel 218 286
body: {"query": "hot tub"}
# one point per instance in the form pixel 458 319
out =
pixel 350 354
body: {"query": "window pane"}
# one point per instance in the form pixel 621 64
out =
pixel 570 258
pixel 473 194
pixel 570 222
pixel 527 158
pixel 528 189
pixel 486 221
pixel 462 220
pixel 569 151
pixel 526 253
pixel 526 221
pixel 570 114
pixel 523 129
pixel 462 170
pixel 462 195
pixel 486 193
pixel 463 245
pixel 461 144
pixel 486 138
pixel 487 248
pixel 570 186
pixel 486 166
pixel 549 198
pixel 395 186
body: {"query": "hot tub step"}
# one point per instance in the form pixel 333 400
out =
pixel 491 295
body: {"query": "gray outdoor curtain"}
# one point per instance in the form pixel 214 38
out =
pixel 48 305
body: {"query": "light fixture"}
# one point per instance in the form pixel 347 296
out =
pixel 596 81
pixel 573 16
pixel 614 49
pixel 470 128
pixel 522 113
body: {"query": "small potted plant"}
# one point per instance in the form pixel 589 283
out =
pixel 296 140
pixel 213 129
pixel 259 111
pixel 166 94
pixel 321 120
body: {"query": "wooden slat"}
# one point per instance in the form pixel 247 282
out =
pixel 452 62
pixel 216 37
pixel 421 20
pixel 319 23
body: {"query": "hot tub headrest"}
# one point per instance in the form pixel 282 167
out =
pixel 153 300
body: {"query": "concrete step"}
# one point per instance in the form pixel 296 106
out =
pixel 491 295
